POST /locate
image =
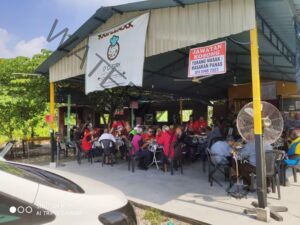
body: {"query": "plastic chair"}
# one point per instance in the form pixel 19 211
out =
pixel 71 146
pixel 80 153
pixel 107 145
pixel 210 143
pixel 294 164
pixel 59 148
pixel 273 160
pixel 179 162
pixel 131 159
pixel 63 148
pixel 77 145
pixel 178 155
pixel 222 167
pixel 90 156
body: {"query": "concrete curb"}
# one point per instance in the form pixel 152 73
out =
pixel 169 214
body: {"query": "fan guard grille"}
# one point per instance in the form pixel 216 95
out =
pixel 272 122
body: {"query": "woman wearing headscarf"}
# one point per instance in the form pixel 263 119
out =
pixel 142 155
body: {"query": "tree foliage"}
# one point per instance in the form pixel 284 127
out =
pixel 108 101
pixel 23 98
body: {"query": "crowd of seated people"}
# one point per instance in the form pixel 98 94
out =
pixel 195 126
pixel 225 149
pixel 136 141
pixel 177 141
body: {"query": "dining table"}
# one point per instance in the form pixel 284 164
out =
pixel 155 148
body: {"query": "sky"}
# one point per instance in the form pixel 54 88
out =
pixel 25 24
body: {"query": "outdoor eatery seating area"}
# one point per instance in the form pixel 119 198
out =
pixel 171 148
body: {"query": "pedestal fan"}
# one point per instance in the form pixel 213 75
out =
pixel 272 127
pixel 272 122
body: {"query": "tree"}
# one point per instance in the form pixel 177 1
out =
pixel 23 98
pixel 108 101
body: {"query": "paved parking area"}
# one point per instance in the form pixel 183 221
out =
pixel 189 195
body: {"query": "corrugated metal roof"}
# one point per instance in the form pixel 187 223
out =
pixel 238 63
pixel 297 6
pixel 278 15
pixel 98 18
pixel 273 64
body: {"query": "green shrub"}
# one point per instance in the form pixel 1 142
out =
pixel 154 216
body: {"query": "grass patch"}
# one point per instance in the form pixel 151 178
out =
pixel 154 216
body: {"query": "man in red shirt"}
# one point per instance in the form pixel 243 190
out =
pixel 199 125
pixel 147 138
pixel 189 128
pixel 118 123
pixel 149 135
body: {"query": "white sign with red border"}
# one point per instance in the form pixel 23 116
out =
pixel 208 60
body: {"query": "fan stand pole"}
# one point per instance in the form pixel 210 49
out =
pixel 237 174
pixel 261 210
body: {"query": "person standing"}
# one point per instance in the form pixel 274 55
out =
pixel 87 143
pixel 78 133
pixel 167 138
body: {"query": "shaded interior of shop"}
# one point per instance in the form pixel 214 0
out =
pixel 165 84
